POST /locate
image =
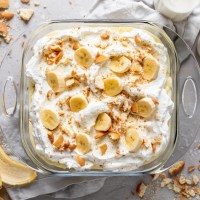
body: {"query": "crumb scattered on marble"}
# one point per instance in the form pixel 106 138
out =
pixel 191 168
pixel 8 39
pixel 176 168
pixel 141 189
pixel 25 14
pixel 36 4
pixel 44 6
pixel 155 177
pixel 3 29
pixel 4 4
pixel 25 1
pixel 165 182
pixel 195 179
pixel 7 15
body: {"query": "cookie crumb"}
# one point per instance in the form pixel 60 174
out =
pixel 25 14
pixel 195 179
pixel 141 189
pixel 3 29
pixel 36 4
pixel 177 168
pixel 191 168
pixel 25 1
pixel 155 177
pixel 7 15
pixel 4 4
pixel 182 179
pixel 8 39
pixel 165 182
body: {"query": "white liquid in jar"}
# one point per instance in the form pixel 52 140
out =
pixel 181 6
pixel 177 10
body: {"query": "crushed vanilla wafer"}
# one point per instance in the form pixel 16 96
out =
pixel 7 15
pixel 4 4
pixel 25 1
pixel 141 189
pixel 25 14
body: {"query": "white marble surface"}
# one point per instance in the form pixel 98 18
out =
pixel 115 188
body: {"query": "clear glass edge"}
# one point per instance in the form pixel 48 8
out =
pixel 102 173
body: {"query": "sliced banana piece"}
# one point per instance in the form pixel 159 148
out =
pixel 120 65
pixel 112 86
pixel 78 102
pixel 98 82
pixel 13 172
pixel 103 122
pixel 133 140
pixel 50 118
pixel 150 68
pixel 83 143
pixel 146 107
pixel 84 56
pixel 56 81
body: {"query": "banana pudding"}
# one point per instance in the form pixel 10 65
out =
pixel 101 98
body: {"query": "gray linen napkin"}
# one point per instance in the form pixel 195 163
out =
pixel 109 9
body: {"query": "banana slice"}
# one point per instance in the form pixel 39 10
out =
pixel 112 86
pixel 83 143
pixel 150 68
pixel 78 102
pixel 133 140
pixel 120 65
pixel 84 57
pixel 146 107
pixel 56 81
pixel 49 117
pixel 103 122
pixel 13 172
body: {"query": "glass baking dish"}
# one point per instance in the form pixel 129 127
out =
pixel 185 84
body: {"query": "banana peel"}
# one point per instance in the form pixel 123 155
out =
pixel 14 173
pixel 0 183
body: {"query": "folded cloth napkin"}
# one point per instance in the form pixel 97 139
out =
pixel 50 187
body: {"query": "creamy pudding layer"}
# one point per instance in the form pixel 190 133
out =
pixel 100 98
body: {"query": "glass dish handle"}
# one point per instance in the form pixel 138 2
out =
pixel 189 97
pixel 9 86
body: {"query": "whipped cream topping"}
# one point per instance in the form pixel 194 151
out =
pixel 119 43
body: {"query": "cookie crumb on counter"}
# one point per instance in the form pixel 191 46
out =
pixel 25 1
pixel 3 29
pixel 36 4
pixel 176 168
pixel 8 38
pixel 184 188
pixel 141 189
pixel 7 15
pixel 4 4
pixel 191 168
pixel 25 14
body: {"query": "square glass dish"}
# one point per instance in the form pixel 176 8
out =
pixel 25 101
pixel 184 92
